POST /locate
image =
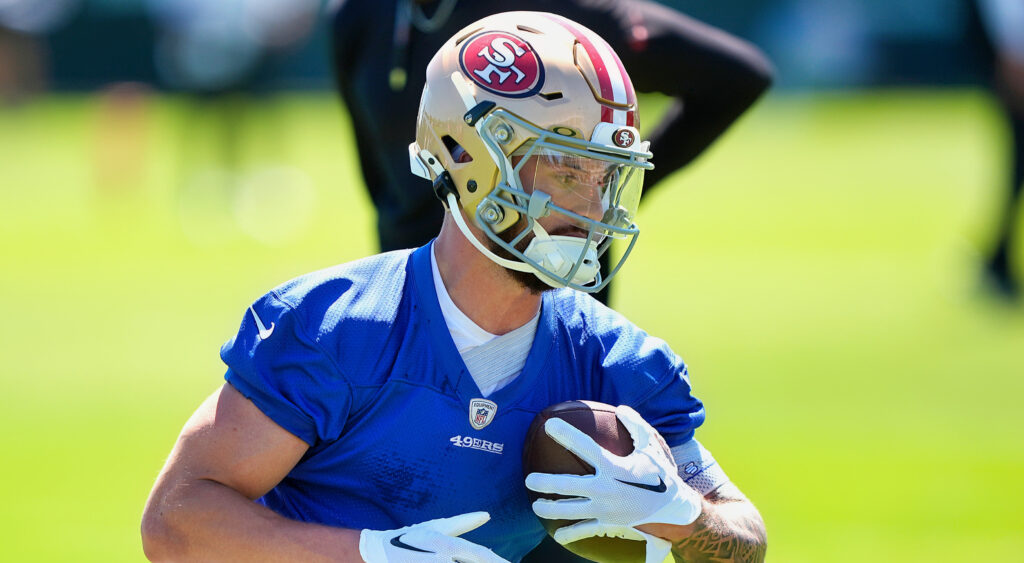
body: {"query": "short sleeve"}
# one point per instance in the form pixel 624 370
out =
pixel 631 367
pixel 274 362
pixel 669 404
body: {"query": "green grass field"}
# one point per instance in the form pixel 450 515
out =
pixel 817 268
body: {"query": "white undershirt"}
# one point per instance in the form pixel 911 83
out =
pixel 465 332
pixel 493 361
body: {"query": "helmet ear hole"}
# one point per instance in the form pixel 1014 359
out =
pixel 459 154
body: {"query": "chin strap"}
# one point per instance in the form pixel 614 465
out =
pixel 456 209
pixel 423 164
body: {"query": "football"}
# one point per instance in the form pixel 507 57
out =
pixel 541 454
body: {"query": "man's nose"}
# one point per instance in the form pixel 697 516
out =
pixel 588 202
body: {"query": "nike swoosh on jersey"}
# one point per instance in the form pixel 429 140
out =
pixel 661 487
pixel 397 542
pixel 264 331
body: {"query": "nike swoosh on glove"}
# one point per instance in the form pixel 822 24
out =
pixel 643 487
pixel 430 541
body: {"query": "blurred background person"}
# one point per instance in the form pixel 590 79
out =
pixel 1003 23
pixel 222 55
pixel 22 66
pixel 381 49
pixel 121 147
pixel 24 58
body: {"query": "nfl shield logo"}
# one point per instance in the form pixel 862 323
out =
pixel 481 412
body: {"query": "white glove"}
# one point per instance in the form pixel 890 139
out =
pixel 433 540
pixel 641 488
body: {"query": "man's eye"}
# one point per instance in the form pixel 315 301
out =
pixel 568 179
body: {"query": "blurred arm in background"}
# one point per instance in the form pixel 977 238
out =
pixel 712 76
pixel 1003 21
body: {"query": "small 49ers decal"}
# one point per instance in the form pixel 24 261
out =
pixel 623 138
pixel 503 64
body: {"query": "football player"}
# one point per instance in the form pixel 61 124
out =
pixel 377 410
pixel 711 76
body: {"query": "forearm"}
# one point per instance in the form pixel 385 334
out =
pixel 729 528
pixel 728 531
pixel 689 127
pixel 205 520
pixel 716 81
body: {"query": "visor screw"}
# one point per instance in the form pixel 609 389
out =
pixel 471 186
pixel 469 119
pixel 491 214
pixel 503 134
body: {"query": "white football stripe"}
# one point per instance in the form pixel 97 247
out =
pixel 618 84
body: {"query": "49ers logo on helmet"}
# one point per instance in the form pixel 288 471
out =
pixel 503 64
pixel 623 138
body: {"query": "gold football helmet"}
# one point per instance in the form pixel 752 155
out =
pixel 528 125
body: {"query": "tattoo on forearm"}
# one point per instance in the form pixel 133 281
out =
pixel 733 533
pixel 710 545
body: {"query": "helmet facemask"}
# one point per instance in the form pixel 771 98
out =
pixel 588 191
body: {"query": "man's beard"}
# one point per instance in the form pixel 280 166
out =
pixel 526 280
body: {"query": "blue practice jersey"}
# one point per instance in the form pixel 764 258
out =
pixel 357 361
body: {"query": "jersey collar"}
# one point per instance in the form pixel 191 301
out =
pixel 449 360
